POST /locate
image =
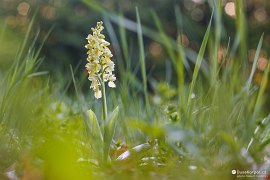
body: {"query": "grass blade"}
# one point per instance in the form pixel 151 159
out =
pixel 142 57
pixel 255 61
pixel 199 61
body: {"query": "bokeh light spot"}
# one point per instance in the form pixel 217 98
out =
pixel 23 8
pixel 230 9
pixel 260 14
pixel 262 63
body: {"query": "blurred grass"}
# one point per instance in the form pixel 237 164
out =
pixel 200 127
pixel 9 45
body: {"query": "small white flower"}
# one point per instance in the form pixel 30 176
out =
pixel 110 67
pixel 111 84
pixel 98 94
pixel 95 84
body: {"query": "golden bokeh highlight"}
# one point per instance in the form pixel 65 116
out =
pixel 155 49
pixel 262 63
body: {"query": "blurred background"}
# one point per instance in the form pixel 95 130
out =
pixel 71 21
pixel 68 23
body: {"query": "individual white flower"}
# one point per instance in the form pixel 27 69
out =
pixel 110 66
pixel 98 94
pixel 111 84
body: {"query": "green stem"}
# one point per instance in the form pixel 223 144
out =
pixel 104 103
pixel 104 112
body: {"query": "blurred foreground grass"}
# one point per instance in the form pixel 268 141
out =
pixel 208 122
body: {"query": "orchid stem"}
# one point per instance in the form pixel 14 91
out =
pixel 104 102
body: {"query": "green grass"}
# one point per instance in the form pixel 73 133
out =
pixel 202 126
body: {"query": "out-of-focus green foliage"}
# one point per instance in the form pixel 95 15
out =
pixel 72 20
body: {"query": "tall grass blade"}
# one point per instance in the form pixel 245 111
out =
pixel 180 61
pixel 254 65
pixel 218 26
pixel 199 61
pixel 241 30
pixel 142 58
pixel 260 97
pixel 124 41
